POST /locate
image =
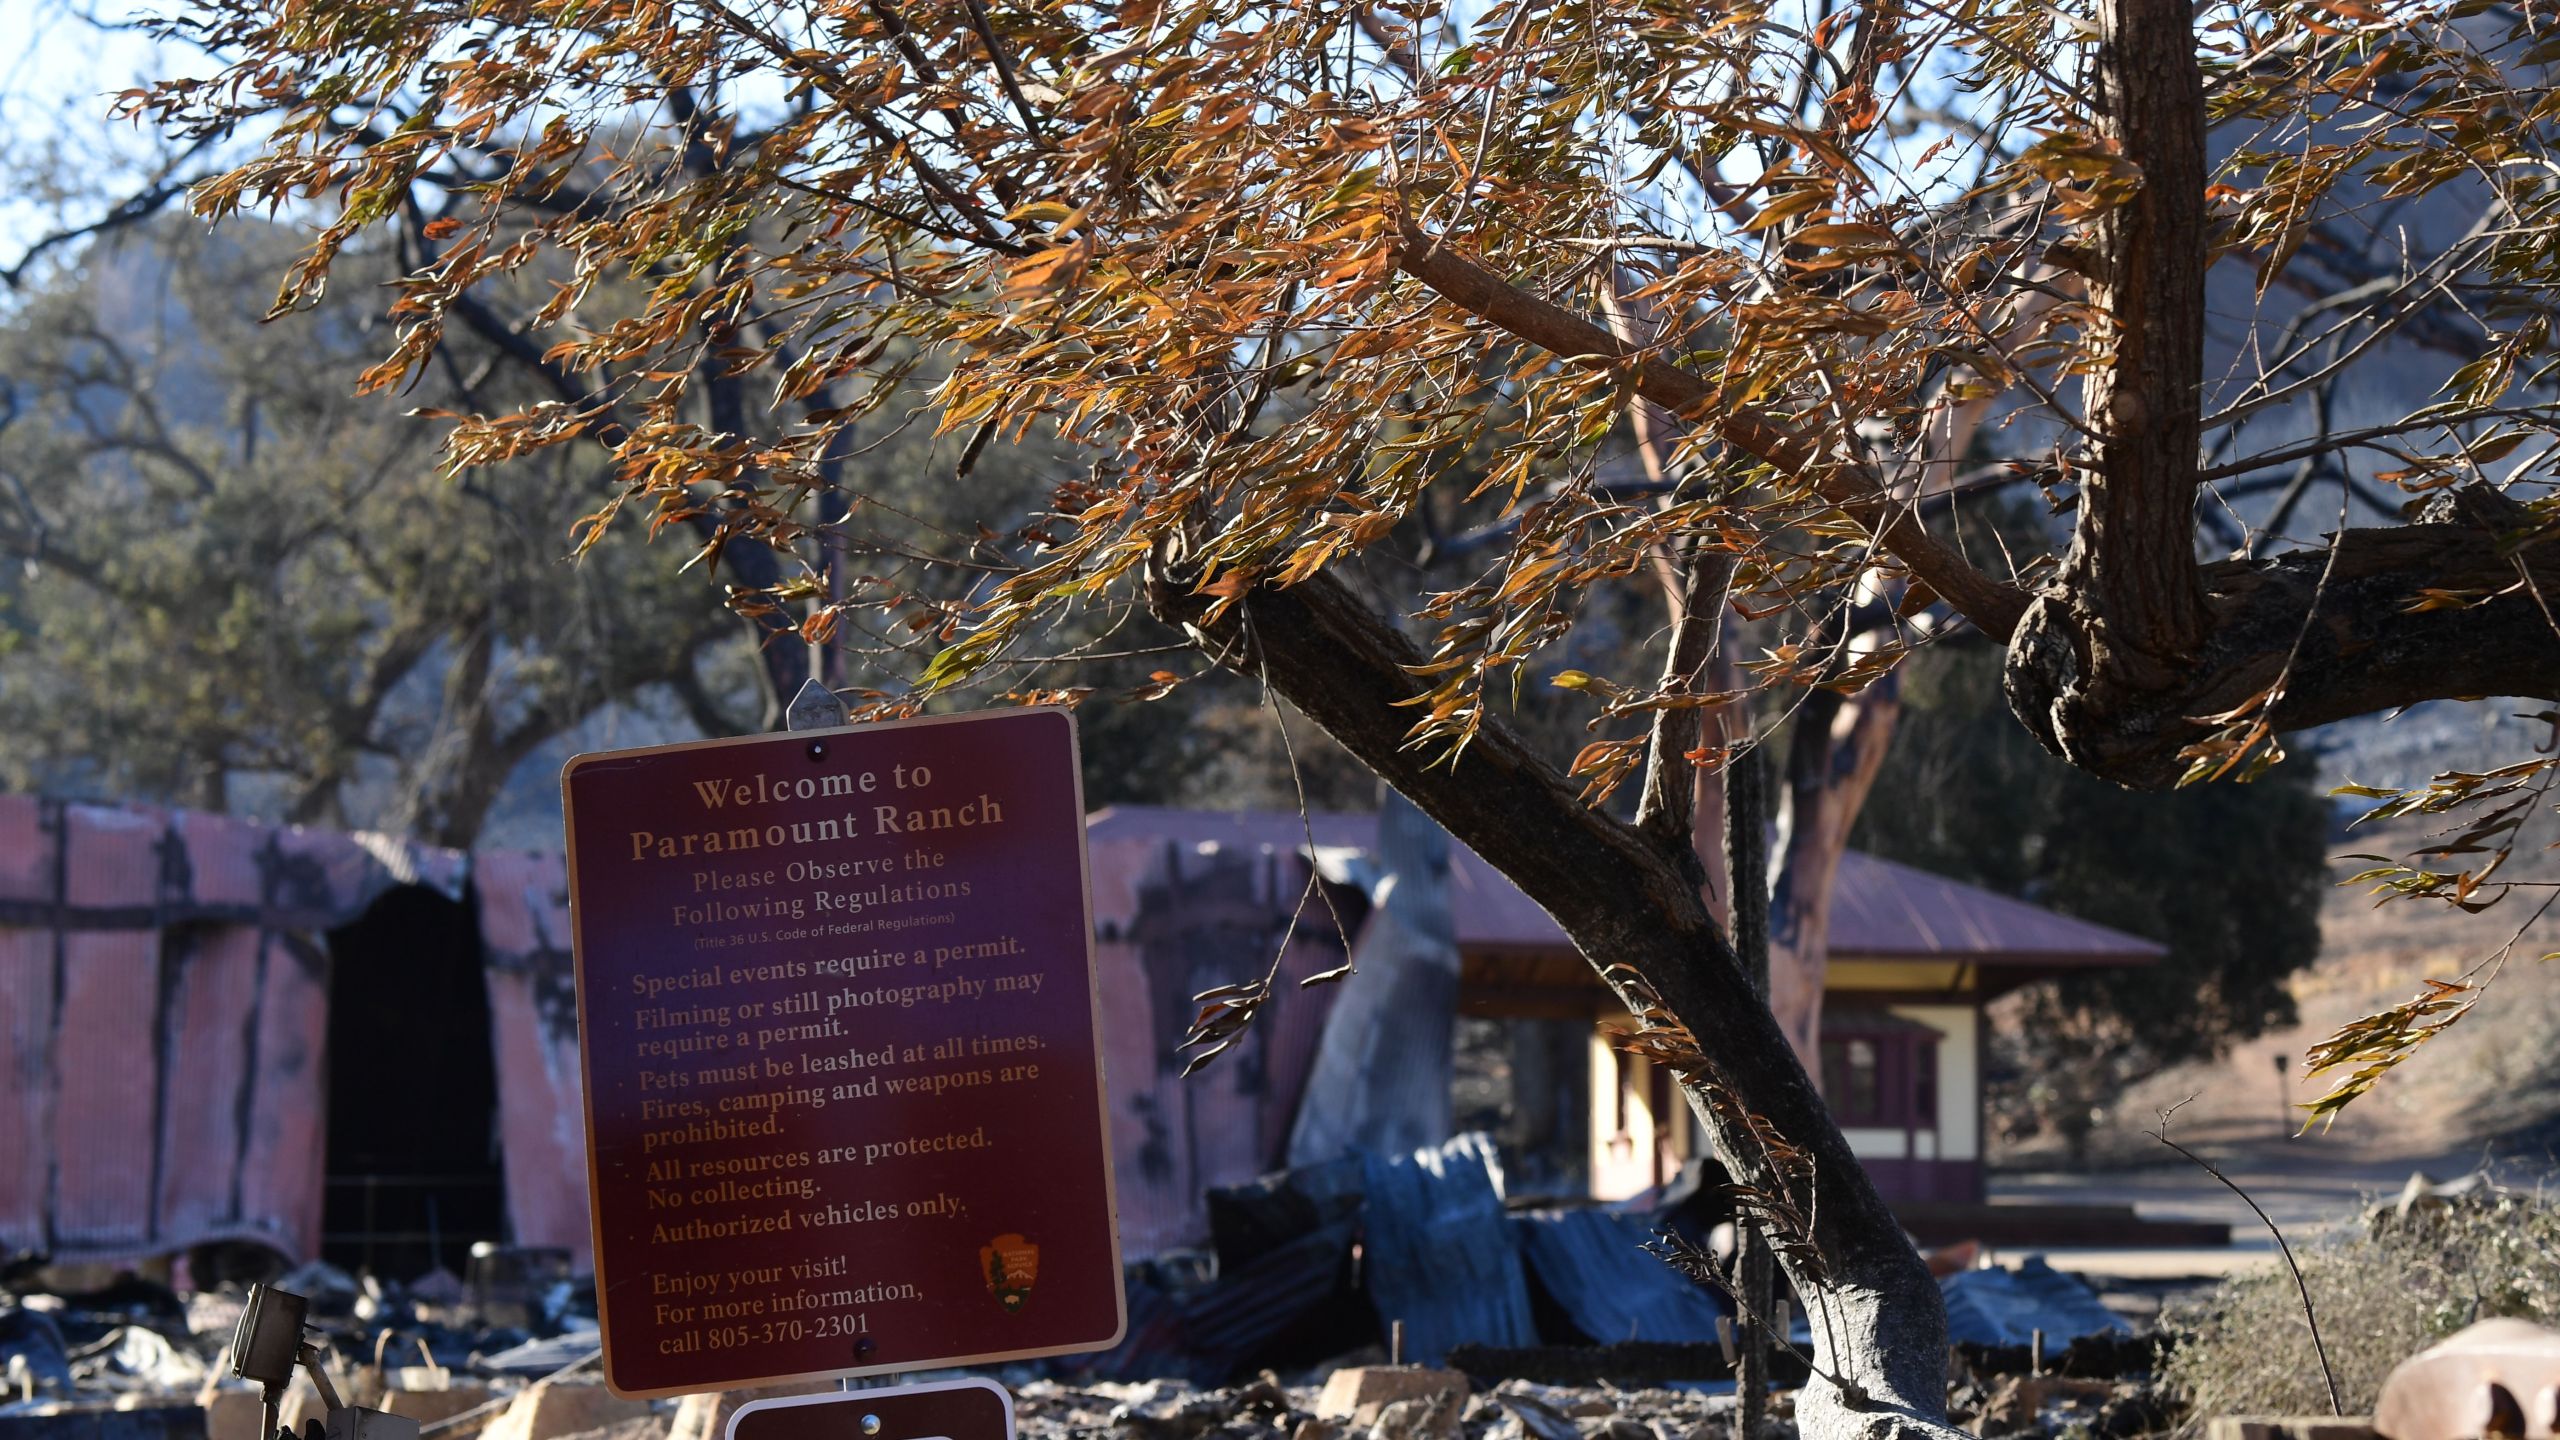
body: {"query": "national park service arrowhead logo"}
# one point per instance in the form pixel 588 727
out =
pixel 1011 1265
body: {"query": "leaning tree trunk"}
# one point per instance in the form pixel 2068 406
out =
pixel 1833 755
pixel 1629 900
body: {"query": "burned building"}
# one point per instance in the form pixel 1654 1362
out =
pixel 216 1033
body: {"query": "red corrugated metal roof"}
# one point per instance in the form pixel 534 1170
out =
pixel 1880 910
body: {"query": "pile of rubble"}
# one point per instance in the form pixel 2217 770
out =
pixel 1369 1403
pixel 89 1354
pixel 138 1364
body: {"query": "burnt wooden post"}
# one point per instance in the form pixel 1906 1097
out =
pixel 1746 859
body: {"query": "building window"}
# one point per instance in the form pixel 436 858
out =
pixel 1852 1076
pixel 1880 1070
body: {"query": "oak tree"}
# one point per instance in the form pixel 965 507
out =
pixel 229 584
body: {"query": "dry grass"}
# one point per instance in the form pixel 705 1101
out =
pixel 2494 1075
pixel 2384 1290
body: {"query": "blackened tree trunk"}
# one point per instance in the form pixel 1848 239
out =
pixel 1746 859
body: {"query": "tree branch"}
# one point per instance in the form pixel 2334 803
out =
pixel 1992 605
pixel 139 206
pixel 1669 801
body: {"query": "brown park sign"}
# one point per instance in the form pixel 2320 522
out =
pixel 836 1007
pixel 942 1410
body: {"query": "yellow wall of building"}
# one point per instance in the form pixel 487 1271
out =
pixel 1959 1077
pixel 1633 1148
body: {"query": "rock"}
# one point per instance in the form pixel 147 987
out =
pixel 2477 1381
pixel 1144 1394
pixel 554 1411
pixel 1426 1417
pixel 648 1427
pixel 1362 1394
pixel 233 1413
pixel 420 1377
pixel 706 1416
pixel 429 1405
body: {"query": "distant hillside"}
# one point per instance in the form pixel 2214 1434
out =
pixel 2492 1082
pixel 2404 749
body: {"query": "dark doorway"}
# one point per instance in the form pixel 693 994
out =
pixel 413 1175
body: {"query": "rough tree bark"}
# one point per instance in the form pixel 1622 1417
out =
pixel 2129 604
pixel 1628 896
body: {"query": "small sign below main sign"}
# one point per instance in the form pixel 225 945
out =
pixel 836 1008
pixel 942 1410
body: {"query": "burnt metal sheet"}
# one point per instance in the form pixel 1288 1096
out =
pixel 2000 1306
pixel 106 1090
pixel 115 859
pixel 1211 1334
pixel 163 1049
pixel 223 860
pixel 76 866
pixel 1440 1252
pixel 533 1016
pixel 211 1001
pixel 144 1086
pixel 1152 1208
pixel 1175 917
pixel 27 870
pixel 281 1160
pixel 1381 1077
pixel 1247 1222
pixel 1594 1265
pixel 27 962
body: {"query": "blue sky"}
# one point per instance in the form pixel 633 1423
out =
pixel 58 74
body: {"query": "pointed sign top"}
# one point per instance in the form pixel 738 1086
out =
pixel 815 708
